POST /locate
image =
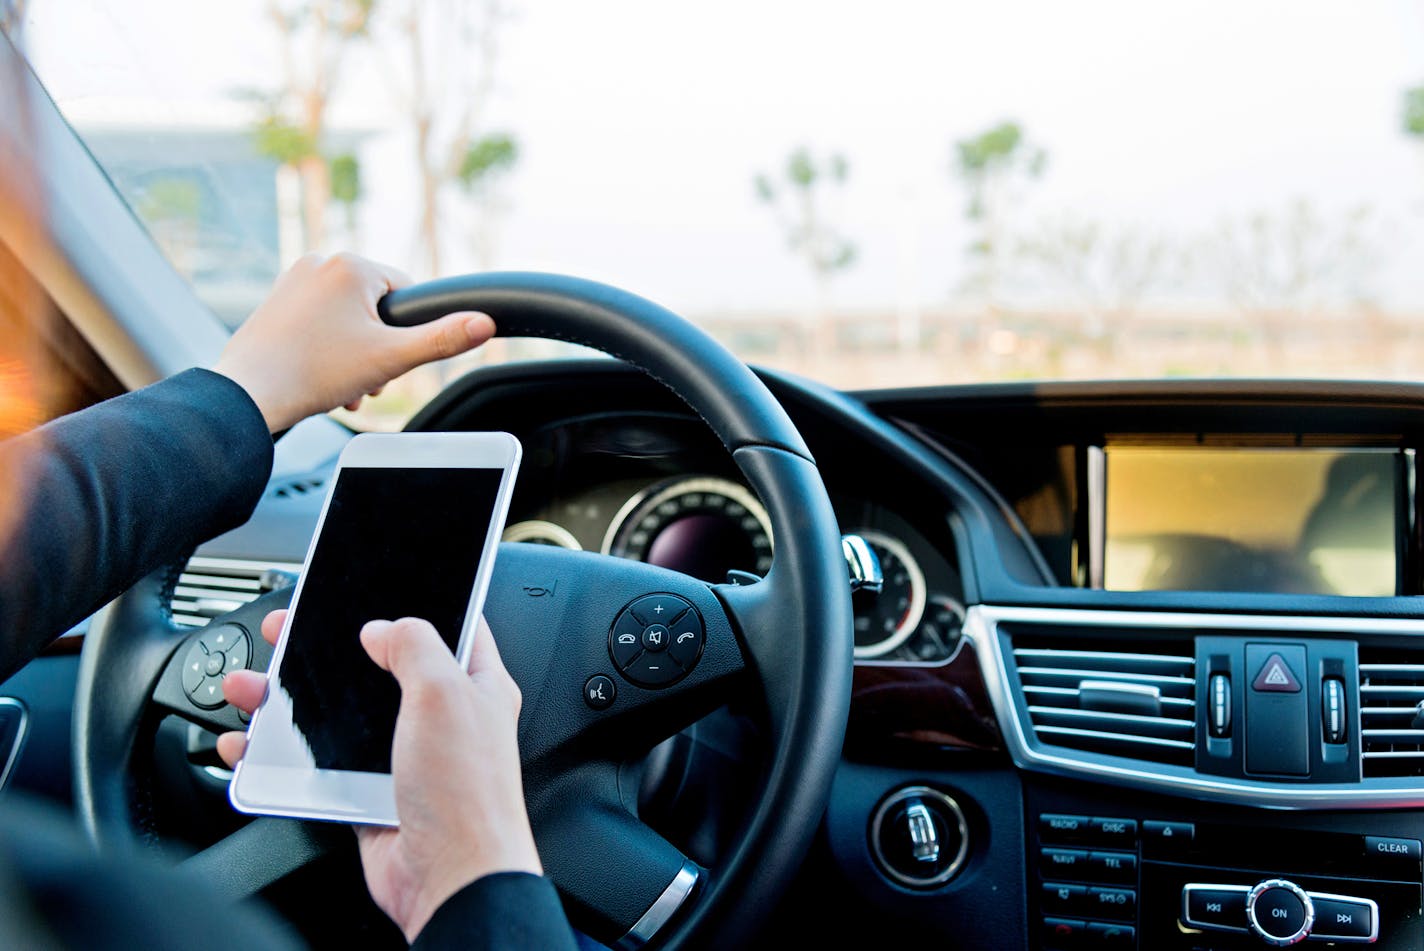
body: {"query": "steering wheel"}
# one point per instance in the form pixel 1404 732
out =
pixel 784 641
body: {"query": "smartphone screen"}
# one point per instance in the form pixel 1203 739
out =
pixel 395 543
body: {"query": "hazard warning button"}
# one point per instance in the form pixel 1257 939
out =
pixel 1275 676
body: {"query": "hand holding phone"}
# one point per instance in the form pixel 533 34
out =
pixel 410 528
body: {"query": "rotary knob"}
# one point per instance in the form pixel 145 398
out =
pixel 1279 912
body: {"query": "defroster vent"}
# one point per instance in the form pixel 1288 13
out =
pixel 1132 702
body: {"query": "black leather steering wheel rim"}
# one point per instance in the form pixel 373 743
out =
pixel 793 629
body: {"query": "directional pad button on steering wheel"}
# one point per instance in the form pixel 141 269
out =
pixel 656 640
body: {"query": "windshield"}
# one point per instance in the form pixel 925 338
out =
pixel 870 194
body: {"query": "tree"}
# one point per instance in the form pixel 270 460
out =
pixel 486 163
pixel 1105 271
pixel 1278 264
pixel 799 199
pixel 453 50
pixel 1413 113
pixel 994 165
pixel 292 127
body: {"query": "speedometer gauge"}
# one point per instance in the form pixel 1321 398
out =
pixel 887 621
pixel 702 526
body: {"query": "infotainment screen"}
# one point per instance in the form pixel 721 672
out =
pixel 1308 521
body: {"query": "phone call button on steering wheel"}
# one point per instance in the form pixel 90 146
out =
pixel 656 640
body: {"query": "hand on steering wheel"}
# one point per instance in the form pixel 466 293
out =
pixel 783 643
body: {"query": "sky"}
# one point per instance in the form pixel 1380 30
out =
pixel 643 122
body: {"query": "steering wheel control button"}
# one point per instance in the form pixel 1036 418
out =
pixel 238 655
pixel 216 652
pixel 1215 907
pixel 656 640
pixel 1279 912
pixel 600 692
pixel 685 640
pixel 653 670
pixel 194 668
pixel 919 837
pixel 626 641
pixel 1354 919
pixel 659 609
pixel 655 637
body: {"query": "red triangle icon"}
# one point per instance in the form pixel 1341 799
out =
pixel 1275 677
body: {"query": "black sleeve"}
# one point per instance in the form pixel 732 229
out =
pixel 94 501
pixel 499 912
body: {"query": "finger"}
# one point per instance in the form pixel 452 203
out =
pixel 244 689
pixel 231 746
pixel 484 652
pixel 447 337
pixel 410 649
pixel 377 391
pixel 272 626
pixel 354 405
pixel 392 277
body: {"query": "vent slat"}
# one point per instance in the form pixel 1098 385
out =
pixel 1113 737
pixel 1122 700
pixel 211 587
pixel 1097 673
pixel 1391 696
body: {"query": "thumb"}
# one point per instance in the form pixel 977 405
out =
pixel 411 649
pixel 447 337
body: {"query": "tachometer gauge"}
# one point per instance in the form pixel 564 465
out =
pixel 940 630
pixel 536 531
pixel 702 526
pixel 885 621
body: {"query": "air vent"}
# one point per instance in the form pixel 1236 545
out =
pixel 1117 702
pixel 1392 712
pixel 211 587
pixel 297 488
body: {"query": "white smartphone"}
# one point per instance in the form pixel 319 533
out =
pixel 410 528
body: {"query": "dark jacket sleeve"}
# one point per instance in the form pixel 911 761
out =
pixel 499 912
pixel 94 501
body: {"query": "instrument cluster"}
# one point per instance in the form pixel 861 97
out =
pixel 709 526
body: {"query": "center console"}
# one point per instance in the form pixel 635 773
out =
pixel 1153 875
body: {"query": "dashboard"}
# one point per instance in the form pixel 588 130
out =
pixel 1084 715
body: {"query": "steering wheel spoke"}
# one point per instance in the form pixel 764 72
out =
pixel 558 617
pixel 263 852
pixel 621 881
